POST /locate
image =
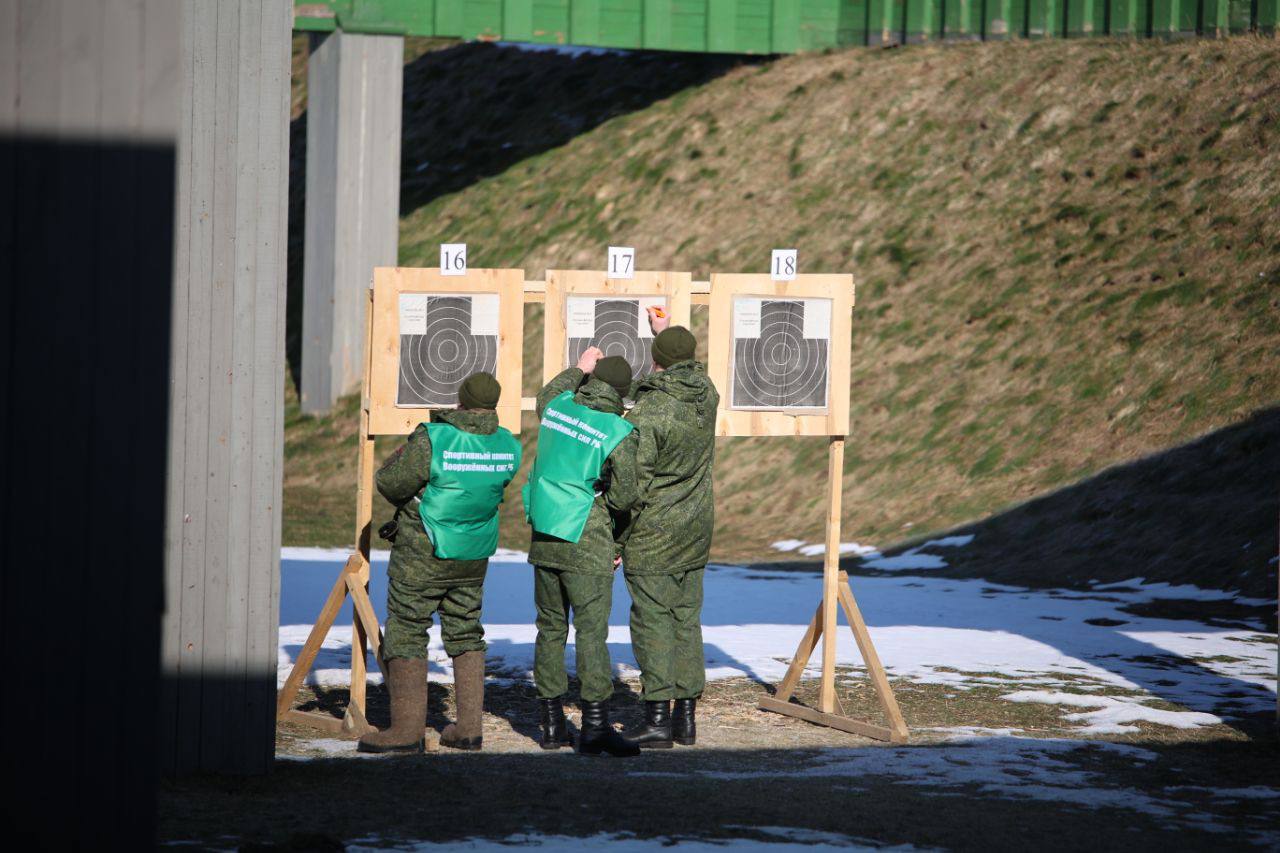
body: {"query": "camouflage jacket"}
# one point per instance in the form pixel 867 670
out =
pixel 594 551
pixel 675 419
pixel 401 480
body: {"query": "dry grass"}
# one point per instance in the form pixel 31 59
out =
pixel 1068 256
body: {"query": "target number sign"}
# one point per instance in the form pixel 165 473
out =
pixel 621 262
pixel 453 258
pixel 783 265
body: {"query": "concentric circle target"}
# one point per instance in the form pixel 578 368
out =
pixel 781 368
pixel 434 364
pixel 617 333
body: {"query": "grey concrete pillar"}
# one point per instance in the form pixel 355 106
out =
pixel 354 84
pixel 226 404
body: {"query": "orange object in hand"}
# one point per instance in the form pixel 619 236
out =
pixel 657 312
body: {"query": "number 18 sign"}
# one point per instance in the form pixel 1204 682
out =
pixel 782 266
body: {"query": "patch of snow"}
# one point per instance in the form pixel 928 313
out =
pixel 1256 792
pixel 959 633
pixel 1114 714
pixel 914 558
pixel 845 548
pixel 629 843
pixel 971 732
pixel 1138 587
pixel 787 544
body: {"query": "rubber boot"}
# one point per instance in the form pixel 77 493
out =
pixel 597 736
pixel 555 728
pixel 684 727
pixel 407 683
pixel 468 689
pixel 655 731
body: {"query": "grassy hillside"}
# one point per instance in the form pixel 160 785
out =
pixel 1067 256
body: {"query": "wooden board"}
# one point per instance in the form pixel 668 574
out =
pixel 561 284
pixel 385 416
pixel 833 419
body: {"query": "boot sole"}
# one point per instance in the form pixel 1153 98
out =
pixel 464 745
pixel 551 746
pixel 419 747
pixel 657 744
pixel 686 741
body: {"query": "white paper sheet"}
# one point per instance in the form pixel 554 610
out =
pixel 642 321
pixel 746 317
pixel 817 319
pixel 484 314
pixel 413 313
pixel 580 317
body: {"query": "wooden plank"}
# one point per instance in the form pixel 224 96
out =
pixel 368 618
pixel 564 283
pixel 844 724
pixel 333 725
pixel 804 651
pixel 834 419
pixel 830 571
pixel 306 657
pixel 385 417
pixel 888 702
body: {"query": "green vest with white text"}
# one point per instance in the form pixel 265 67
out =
pixel 469 472
pixel 573 443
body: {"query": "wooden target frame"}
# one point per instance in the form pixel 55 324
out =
pixel 379 415
pixel 831 421
pixel 561 284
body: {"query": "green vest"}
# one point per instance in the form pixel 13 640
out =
pixel 459 506
pixel 573 442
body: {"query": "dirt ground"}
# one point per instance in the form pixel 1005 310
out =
pixel 753 773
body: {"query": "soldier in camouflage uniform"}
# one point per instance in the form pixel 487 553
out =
pixel 446 483
pixel 669 539
pixel 577 575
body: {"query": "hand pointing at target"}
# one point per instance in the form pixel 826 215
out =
pixel 587 361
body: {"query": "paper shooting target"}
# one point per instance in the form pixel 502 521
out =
pixel 617 325
pixel 443 340
pixel 780 353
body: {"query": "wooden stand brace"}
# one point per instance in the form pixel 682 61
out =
pixel 835 589
pixel 353 580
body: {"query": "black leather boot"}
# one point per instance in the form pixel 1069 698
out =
pixel 655 731
pixel 555 728
pixel 597 736
pixel 684 728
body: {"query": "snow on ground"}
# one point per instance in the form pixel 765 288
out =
pixel 1114 714
pixel 784 839
pixel 960 633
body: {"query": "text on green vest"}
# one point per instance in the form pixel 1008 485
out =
pixel 469 472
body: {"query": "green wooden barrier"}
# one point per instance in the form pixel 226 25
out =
pixel 783 26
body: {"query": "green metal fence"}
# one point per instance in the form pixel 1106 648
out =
pixel 782 26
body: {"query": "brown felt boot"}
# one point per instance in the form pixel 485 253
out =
pixel 468 689
pixel 407 682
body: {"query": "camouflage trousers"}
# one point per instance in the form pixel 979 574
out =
pixel 410 608
pixel 666 634
pixel 590 597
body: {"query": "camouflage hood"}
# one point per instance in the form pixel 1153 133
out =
pixel 686 382
pixel 598 395
pixel 675 420
pixel 475 421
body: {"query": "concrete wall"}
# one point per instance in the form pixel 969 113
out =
pixel 227 394
pixel 89 96
pixel 354 85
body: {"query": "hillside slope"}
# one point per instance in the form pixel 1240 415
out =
pixel 1067 256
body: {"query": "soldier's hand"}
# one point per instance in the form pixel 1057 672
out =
pixel 659 319
pixel 587 361
pixel 617 561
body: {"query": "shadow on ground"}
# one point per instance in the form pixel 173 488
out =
pixel 994 794
pixel 474 110
pixel 1204 513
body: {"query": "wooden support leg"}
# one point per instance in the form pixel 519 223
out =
pixel 805 651
pixel 888 702
pixel 830 568
pixel 306 657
